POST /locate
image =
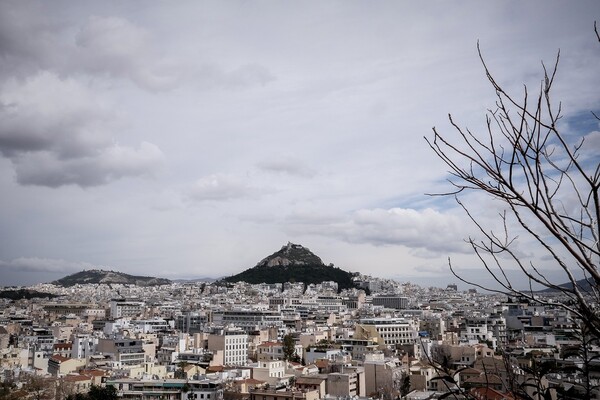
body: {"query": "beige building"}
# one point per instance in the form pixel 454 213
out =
pixel 421 374
pixel 347 384
pixel 270 371
pixel 60 366
pixel 76 384
pixel 316 383
pixel 380 375
pixel 15 357
pixel 124 353
pixel 152 370
pixel 311 339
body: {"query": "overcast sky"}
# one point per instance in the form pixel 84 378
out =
pixel 192 139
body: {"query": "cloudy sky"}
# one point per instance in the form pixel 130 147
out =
pixel 192 139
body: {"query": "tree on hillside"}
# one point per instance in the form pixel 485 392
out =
pixel 549 186
pixel 289 349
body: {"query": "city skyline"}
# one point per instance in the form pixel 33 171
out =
pixel 194 139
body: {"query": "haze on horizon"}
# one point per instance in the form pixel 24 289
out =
pixel 192 139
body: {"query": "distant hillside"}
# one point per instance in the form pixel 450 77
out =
pixel 293 263
pixel 96 276
pixel 195 280
pixel 19 294
pixel 584 284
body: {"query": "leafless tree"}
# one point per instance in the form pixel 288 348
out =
pixel 548 186
pixel 40 388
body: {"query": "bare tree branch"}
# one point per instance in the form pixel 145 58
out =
pixel 523 160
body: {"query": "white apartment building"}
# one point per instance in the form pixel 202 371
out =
pixel 248 320
pixel 393 331
pixel 232 344
pixel 389 301
pixel 83 346
pixel 151 325
pixel 120 308
pixel 476 330
pixel 330 303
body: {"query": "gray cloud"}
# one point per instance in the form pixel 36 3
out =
pixel 109 164
pixel 117 47
pixel 56 132
pixel 113 47
pixel 35 264
pixel 29 39
pixel 45 112
pixel 32 270
pixel 33 40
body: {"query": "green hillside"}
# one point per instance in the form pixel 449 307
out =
pixel 293 263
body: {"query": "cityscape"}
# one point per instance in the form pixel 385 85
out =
pixel 155 339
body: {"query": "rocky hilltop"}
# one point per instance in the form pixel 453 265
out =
pixel 97 276
pixel 290 254
pixel 293 263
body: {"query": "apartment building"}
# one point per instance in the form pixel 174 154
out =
pixel 248 320
pixel 124 353
pixel 120 308
pixel 389 301
pixel 192 322
pixel 390 331
pixel 83 345
pixel 350 383
pixel 229 346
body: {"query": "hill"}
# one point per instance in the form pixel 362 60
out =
pixel 293 263
pixel 18 294
pixel 584 285
pixel 97 276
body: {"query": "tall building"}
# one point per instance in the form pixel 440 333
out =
pixel 84 345
pixel 229 346
pixel 120 308
pixel 192 322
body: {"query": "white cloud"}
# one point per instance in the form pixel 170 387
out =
pixel 289 166
pixel 590 147
pixel 427 230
